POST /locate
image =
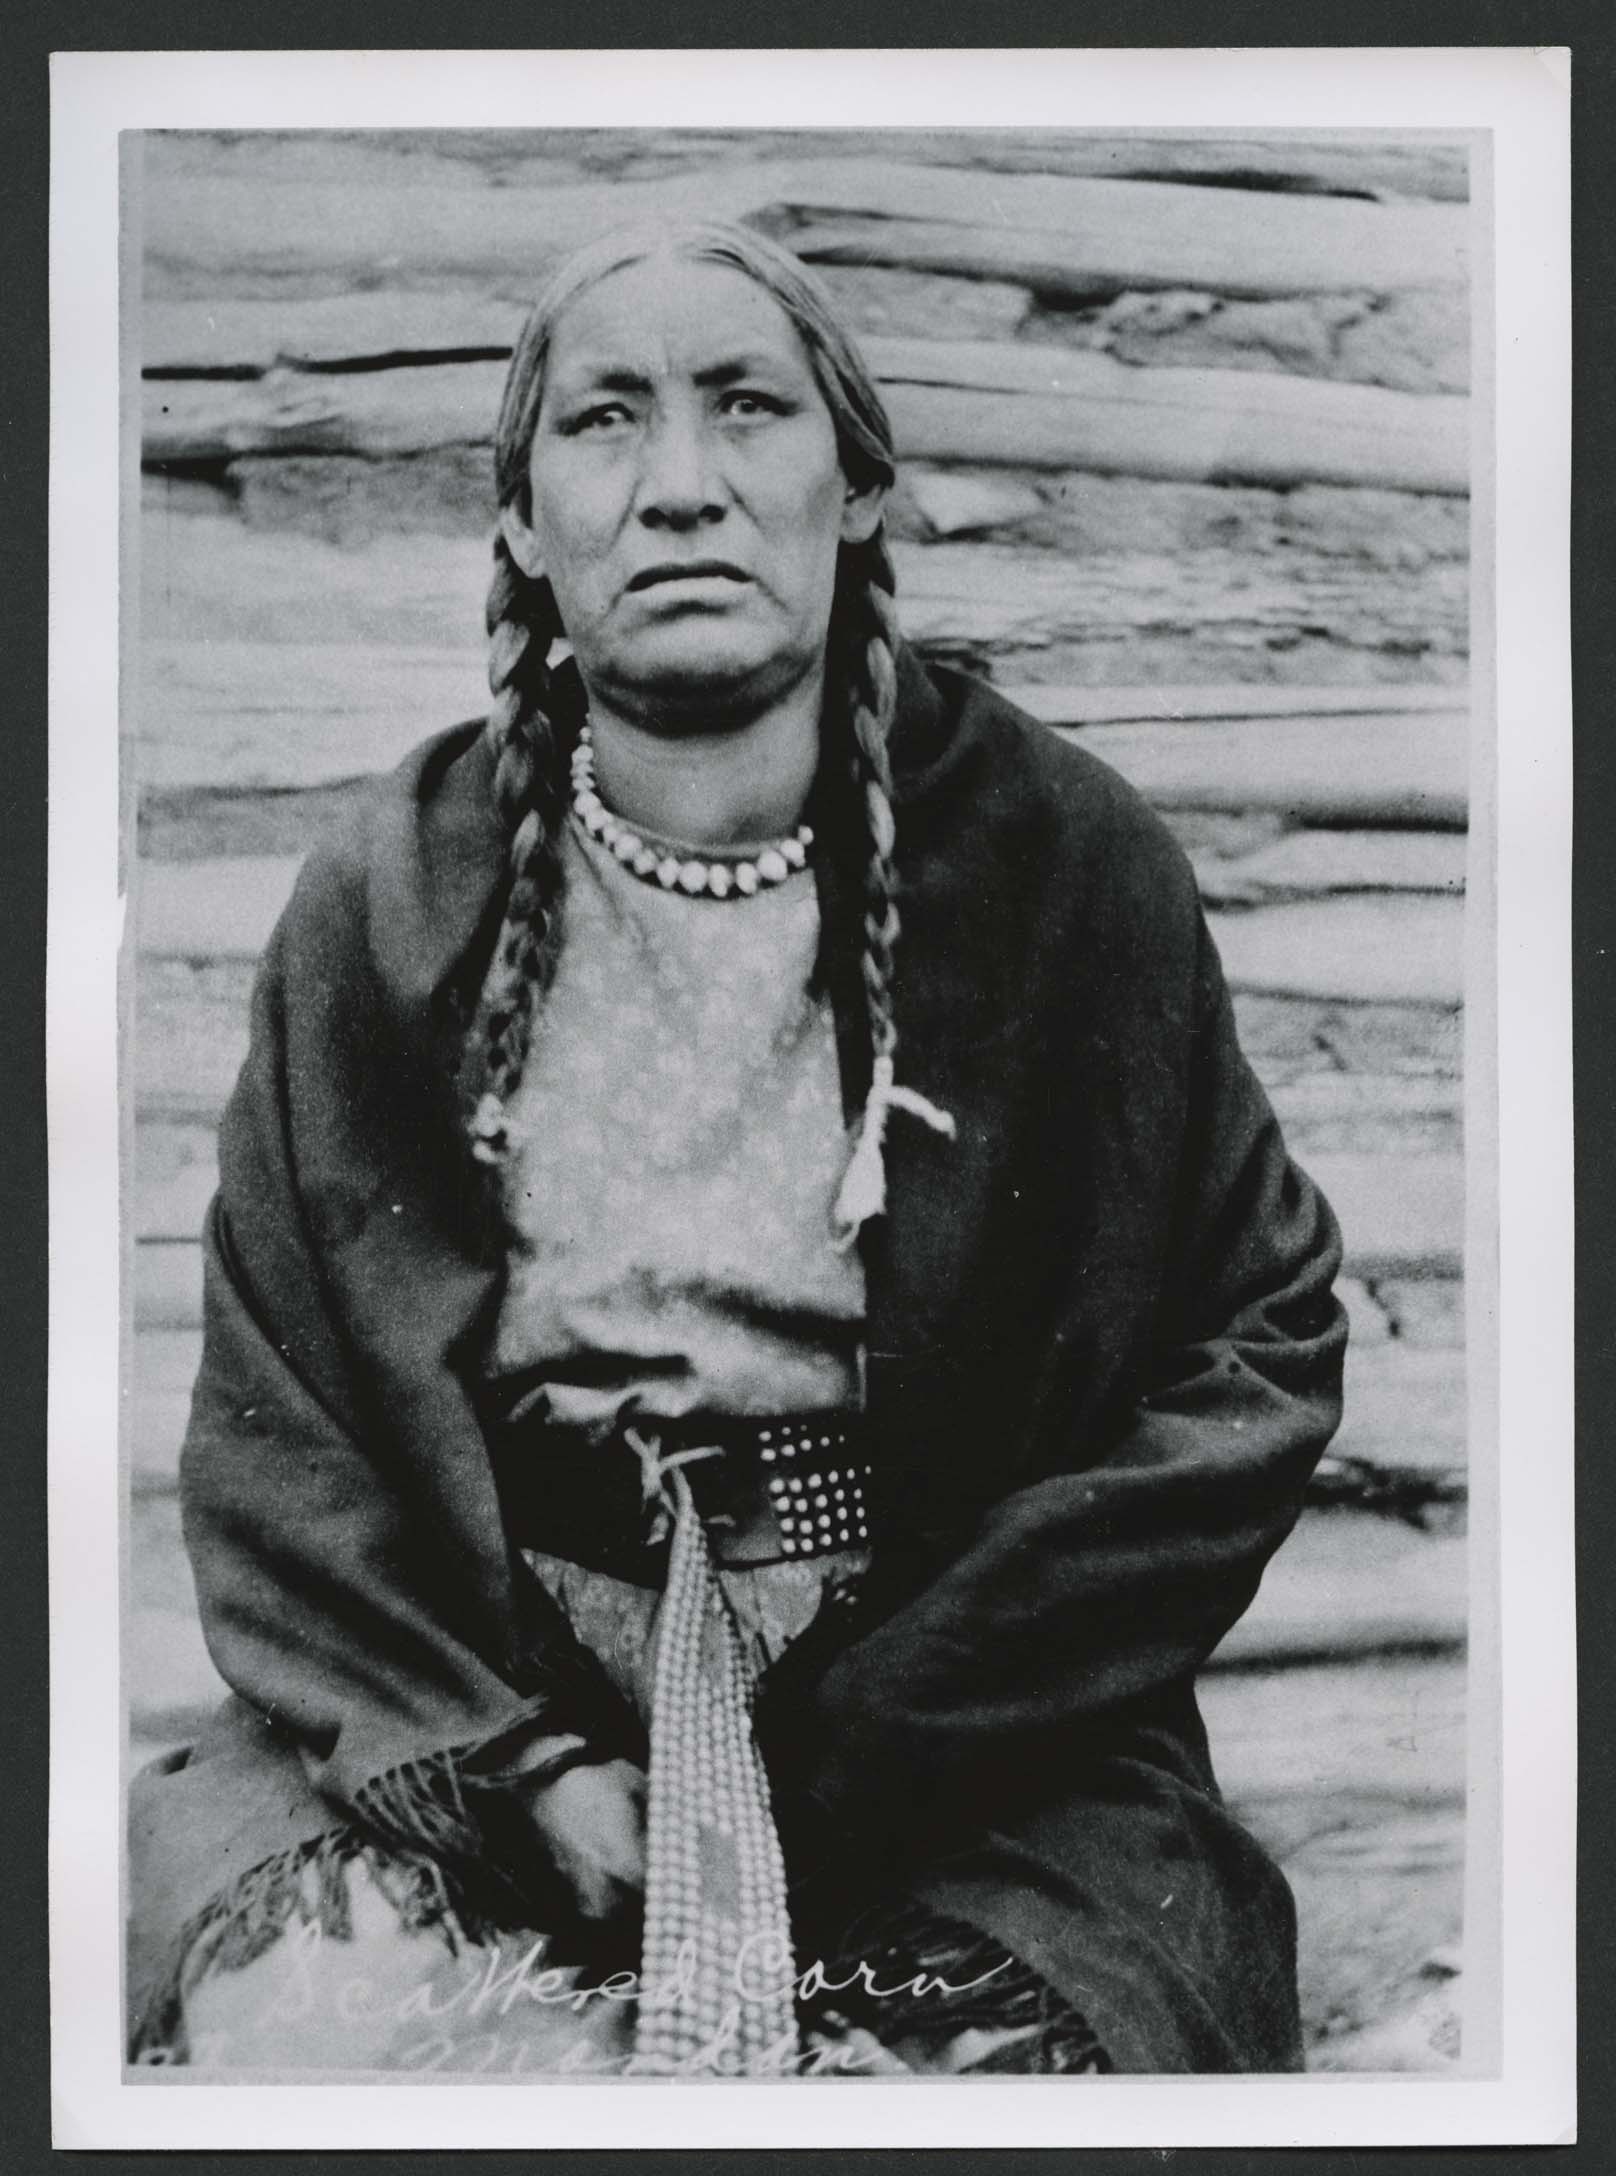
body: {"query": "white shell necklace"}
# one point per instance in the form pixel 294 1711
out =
pixel 660 863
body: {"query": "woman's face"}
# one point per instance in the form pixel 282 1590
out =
pixel 686 494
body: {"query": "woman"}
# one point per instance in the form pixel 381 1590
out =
pixel 759 1328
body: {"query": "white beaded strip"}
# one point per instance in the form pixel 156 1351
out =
pixel 739 878
pixel 708 1809
pixel 817 1504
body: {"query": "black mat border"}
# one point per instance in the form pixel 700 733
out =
pixel 31 34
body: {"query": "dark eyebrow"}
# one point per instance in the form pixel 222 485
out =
pixel 741 366
pixel 621 378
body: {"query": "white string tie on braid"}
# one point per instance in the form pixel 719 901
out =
pixel 863 1191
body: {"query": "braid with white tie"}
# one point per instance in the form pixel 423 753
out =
pixel 872 701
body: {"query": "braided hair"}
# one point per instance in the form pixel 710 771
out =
pixel 531 765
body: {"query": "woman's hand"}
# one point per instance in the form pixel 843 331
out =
pixel 592 1822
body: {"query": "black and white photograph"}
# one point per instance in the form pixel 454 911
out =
pixel 807 1110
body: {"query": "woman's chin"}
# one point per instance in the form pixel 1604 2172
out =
pixel 703 672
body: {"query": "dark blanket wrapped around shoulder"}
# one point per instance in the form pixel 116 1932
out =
pixel 1103 1358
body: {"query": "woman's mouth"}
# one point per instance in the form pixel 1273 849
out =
pixel 683 571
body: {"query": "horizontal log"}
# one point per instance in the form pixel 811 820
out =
pixel 1405 1411
pixel 1368 1324
pixel 176 1169
pixel 1356 162
pixel 170 1684
pixel 207 579
pixel 340 499
pixel 1381 950
pixel 1359 163
pixel 1197 438
pixel 1306 864
pixel 1408 344
pixel 1399 1215
pixel 1375 950
pixel 210 910
pixel 1386 770
pixel 1067 270
pixel 1369 1115
pixel 1291 1040
pixel 192 824
pixel 1411 343
pixel 203 815
pixel 1108 235
pixel 371 413
pixel 274 717
pixel 1350 1583
pixel 1042 407
pixel 1026 613
pixel 164 1362
pixel 1065 237
pixel 1416 343
pixel 226 332
pixel 382 325
pixel 205 824
pixel 1424 1311
pixel 1223 425
pixel 1082 515
pixel 283 717
pixel 396 325
pixel 167 1285
pixel 1081 706
pixel 163 1369
pixel 157 1423
pixel 188 1039
pixel 1305 1751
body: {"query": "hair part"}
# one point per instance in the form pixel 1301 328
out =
pixel 523 624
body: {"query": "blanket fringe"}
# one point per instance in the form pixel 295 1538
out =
pixel 441 1845
pixel 308 1886
pixel 420 1808
pixel 307 1883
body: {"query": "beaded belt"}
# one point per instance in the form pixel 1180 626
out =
pixel 783 1488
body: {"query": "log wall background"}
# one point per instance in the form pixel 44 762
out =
pixel 1185 437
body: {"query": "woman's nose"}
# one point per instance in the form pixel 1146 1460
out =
pixel 677 483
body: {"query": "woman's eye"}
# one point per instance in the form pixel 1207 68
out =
pixel 745 403
pixel 602 417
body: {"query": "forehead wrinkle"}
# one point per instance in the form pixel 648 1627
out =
pixel 611 374
pixel 667 337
